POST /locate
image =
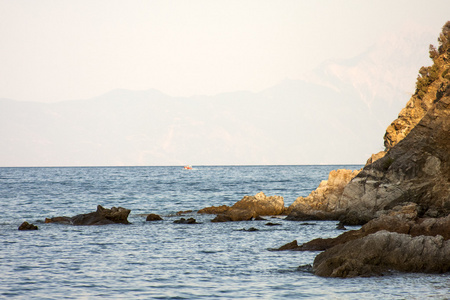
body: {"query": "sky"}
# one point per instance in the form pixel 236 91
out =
pixel 54 50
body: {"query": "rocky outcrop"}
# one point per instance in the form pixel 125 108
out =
pixel 416 170
pixel 416 167
pixel 102 216
pixel 401 219
pixel 431 84
pixel 383 251
pixel 27 226
pixel 248 208
pixel 321 203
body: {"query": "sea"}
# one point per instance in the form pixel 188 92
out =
pixel 164 260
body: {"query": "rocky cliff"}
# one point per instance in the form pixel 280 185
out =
pixel 415 166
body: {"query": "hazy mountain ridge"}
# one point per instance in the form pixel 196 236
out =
pixel 338 116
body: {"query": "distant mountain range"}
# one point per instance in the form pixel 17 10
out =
pixel 337 114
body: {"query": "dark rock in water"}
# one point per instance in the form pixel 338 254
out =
pixel 340 226
pixel 236 215
pixel 305 268
pixel 383 251
pixel 308 224
pixel 259 218
pixel 272 224
pixel 153 217
pixel 289 246
pixel 250 229
pixel 184 221
pixel 27 226
pixel 103 216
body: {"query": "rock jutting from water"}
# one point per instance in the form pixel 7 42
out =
pixel 248 208
pixel 153 217
pixel 103 216
pixel 27 226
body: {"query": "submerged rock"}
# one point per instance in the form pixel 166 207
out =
pixel 102 216
pixel 383 251
pixel 27 226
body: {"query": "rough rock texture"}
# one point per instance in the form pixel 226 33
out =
pixel 102 216
pixel 383 251
pixel 416 167
pixel 401 219
pixel 261 204
pixel 416 170
pixel 27 226
pixel 320 204
pixel 375 157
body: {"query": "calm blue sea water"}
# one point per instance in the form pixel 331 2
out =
pixel 162 260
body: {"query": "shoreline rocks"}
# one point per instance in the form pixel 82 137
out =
pixel 382 252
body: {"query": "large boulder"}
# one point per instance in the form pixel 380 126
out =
pixel 321 203
pixel 102 216
pixel 383 251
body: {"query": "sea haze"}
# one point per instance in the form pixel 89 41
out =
pixel 165 260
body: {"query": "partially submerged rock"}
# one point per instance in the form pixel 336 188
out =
pixel 383 251
pixel 153 217
pixel 186 221
pixel 27 226
pixel 102 216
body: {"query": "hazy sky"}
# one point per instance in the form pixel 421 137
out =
pixel 55 50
